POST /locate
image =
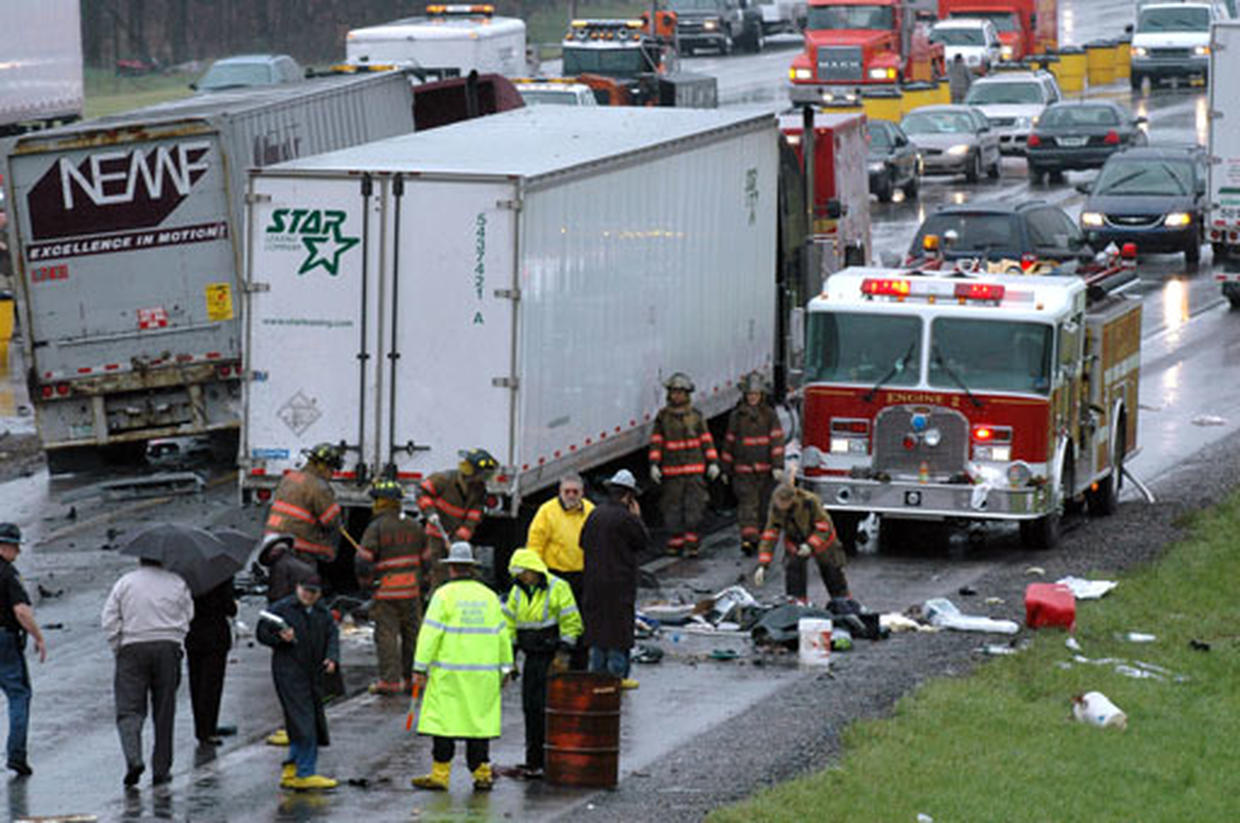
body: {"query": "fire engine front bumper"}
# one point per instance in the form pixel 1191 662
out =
pixel 818 94
pixel 929 501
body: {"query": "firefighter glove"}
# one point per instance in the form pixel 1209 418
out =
pixel 759 576
pixel 656 475
pixel 804 550
pixel 434 521
pixel 712 471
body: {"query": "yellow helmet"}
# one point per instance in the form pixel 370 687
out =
pixel 328 454
pixel 478 461
pixel 386 489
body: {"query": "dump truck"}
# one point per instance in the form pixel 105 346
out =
pixel 40 64
pixel 127 248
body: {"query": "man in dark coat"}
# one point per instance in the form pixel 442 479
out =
pixel 612 539
pixel 285 568
pixel 305 646
pixel 206 652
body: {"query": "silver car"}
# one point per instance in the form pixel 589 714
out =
pixel 954 140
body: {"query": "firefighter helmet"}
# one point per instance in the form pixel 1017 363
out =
pixel 478 461
pixel 326 453
pixel 754 381
pixel 679 382
pixel 386 489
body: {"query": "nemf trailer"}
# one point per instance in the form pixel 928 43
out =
pixel 126 254
pixel 522 283
pixel 40 63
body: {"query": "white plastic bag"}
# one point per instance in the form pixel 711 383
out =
pixel 1096 709
pixel 943 613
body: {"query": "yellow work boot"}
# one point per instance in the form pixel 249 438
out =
pixel 278 738
pixel 483 779
pixel 315 782
pixel 437 780
pixel 629 683
pixel 288 772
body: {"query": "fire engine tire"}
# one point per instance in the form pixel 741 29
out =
pixel 974 172
pixel 846 526
pixel 885 188
pixel 1104 500
pixel 1045 533
pixel 912 187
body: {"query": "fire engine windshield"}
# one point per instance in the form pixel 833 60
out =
pixel 834 18
pixel 991 355
pixel 843 347
pixel 614 62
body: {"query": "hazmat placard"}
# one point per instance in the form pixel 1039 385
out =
pixel 219 301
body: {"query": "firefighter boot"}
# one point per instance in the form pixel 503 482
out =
pixel 692 546
pixel 314 782
pixel 438 778
pixel 278 738
pixel 748 548
pixel 287 772
pixel 483 780
pixel 675 545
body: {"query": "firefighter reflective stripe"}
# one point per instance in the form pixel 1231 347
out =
pixel 764 440
pixel 709 443
pixel 754 443
pixel 547 607
pixel 656 448
pixel 443 627
pixel 678 471
pixel 756 468
pixel 681 445
pixel 398 562
pixel 331 514
pixel 470 667
pixel 302 545
pixel 399 586
pixel 288 509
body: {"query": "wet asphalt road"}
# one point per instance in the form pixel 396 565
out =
pixel 1188 402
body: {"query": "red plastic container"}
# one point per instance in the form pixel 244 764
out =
pixel 1050 604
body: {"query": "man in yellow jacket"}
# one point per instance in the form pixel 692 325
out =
pixel 555 536
pixel 463 659
pixel 544 621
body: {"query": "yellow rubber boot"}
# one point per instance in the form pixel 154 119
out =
pixel 437 780
pixel 483 779
pixel 316 782
pixel 288 772
pixel 278 738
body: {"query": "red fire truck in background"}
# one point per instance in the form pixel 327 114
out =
pixel 851 45
pixel 956 397
pixel 1025 26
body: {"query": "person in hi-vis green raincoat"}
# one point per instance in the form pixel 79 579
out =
pixel 463 658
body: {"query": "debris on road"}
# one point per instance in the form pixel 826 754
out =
pixel 1140 637
pixel 778 627
pixel 647 653
pixel 1050 605
pixel 1038 570
pixel 1096 709
pixel 1083 589
pixel 943 613
pixel 895 622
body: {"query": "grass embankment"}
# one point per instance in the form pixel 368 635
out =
pixel 999 744
pixel 108 94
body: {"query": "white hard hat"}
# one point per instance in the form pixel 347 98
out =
pixel 460 552
pixel 623 478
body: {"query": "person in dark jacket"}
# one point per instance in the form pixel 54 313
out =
pixel 305 646
pixel 206 653
pixel 285 568
pixel 613 540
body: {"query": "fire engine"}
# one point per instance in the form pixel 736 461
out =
pixel 953 396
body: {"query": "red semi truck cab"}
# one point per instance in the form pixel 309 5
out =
pixel 949 397
pixel 1025 26
pixel 851 45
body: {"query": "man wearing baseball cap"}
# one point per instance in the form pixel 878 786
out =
pixel 16 621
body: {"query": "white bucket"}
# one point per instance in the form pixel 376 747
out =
pixel 815 641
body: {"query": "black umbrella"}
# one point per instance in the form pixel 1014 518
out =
pixel 204 559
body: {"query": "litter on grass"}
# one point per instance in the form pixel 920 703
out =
pixel 1140 637
pixel 943 613
pixel 1096 709
pixel 1083 589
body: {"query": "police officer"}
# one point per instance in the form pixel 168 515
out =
pixel 16 621
pixel 808 533
pixel 682 458
pixel 305 506
pixel 753 457
pixel 395 546
pixel 452 503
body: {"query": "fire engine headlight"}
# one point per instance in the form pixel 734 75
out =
pixel 1177 220
pixel 932 438
pixel 882 74
pixel 1019 474
pixel 1139 51
pixel 800 74
pixel 1006 52
pixel 710 25
pixel 1091 218
pixel 811 457
pixel 959 151
pixel 998 454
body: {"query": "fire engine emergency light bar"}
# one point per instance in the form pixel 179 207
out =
pixel 460 8
pixel 934 290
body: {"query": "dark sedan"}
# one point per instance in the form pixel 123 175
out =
pixel 1080 135
pixel 1033 236
pixel 1153 197
pixel 893 161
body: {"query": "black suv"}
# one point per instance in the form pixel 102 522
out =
pixel 1027 237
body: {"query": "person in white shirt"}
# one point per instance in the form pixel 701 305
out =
pixel 145 619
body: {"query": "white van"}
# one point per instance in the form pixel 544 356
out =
pixel 973 38
pixel 1172 40
pixel 450 40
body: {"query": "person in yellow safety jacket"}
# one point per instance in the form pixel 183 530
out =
pixel 682 459
pixel 546 625
pixel 451 502
pixel 555 536
pixel 463 659
pixel 808 532
pixel 753 458
pixel 305 506
pixel 395 547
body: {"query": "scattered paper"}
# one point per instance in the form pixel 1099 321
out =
pixel 1083 589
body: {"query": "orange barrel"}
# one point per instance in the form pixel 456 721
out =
pixel 583 730
pixel 1100 62
pixel 1123 57
pixel 1071 69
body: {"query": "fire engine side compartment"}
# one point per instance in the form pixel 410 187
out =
pixel 1113 347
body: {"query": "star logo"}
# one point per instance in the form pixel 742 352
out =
pixel 325 251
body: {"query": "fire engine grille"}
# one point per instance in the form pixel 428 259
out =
pixel 946 458
pixel 839 63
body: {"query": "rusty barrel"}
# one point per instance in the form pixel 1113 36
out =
pixel 583 730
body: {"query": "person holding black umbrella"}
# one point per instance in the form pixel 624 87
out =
pixel 146 618
pixel 206 654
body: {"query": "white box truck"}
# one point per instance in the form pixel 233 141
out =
pixel 125 244
pixel 40 63
pixel 1223 192
pixel 522 282
pixel 450 40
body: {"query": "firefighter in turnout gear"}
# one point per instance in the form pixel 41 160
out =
pixel 545 624
pixel 808 533
pixel 753 458
pixel 305 506
pixel 451 503
pixel 682 458
pixel 396 548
